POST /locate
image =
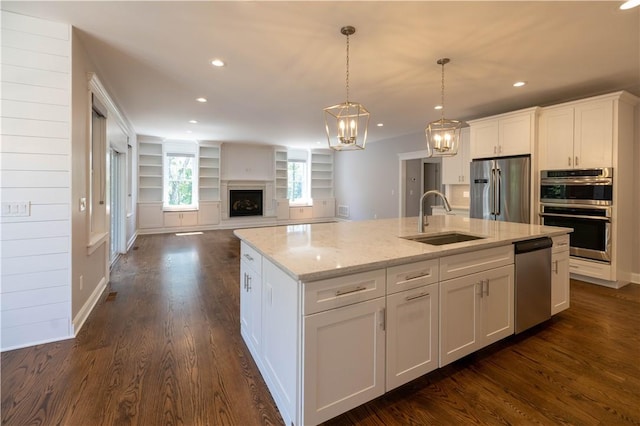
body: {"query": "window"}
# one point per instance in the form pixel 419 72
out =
pixel 297 181
pixel 180 177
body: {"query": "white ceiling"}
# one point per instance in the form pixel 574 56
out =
pixel 286 61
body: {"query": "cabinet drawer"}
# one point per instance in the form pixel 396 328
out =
pixel 251 257
pixel 560 243
pixel 469 263
pixel 335 292
pixel 405 277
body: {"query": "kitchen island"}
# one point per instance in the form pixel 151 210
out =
pixel 336 314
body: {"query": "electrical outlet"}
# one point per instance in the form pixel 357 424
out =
pixel 465 194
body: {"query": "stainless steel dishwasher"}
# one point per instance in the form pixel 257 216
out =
pixel 533 283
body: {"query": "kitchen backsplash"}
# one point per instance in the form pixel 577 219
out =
pixel 458 195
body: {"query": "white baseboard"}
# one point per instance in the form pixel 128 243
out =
pixel 82 316
pixel 635 278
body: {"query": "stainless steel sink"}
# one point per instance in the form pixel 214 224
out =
pixel 442 239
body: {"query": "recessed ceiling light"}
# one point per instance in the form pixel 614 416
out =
pixel 189 131
pixel 217 62
pixel 519 83
pixel 437 107
pixel 193 121
pixel 201 100
pixel 380 124
pixel 629 4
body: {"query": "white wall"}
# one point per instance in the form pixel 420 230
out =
pixel 367 180
pixel 36 167
pixel 635 270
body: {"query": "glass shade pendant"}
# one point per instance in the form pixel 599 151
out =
pixel 443 135
pixel 346 123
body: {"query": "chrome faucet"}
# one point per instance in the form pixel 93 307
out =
pixel 422 219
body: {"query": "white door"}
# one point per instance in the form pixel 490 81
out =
pixel 556 139
pixel 594 134
pixel 344 355
pixel 412 334
pixel 559 281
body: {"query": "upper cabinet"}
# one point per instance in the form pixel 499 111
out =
pixel 577 135
pixel 455 170
pixel 503 135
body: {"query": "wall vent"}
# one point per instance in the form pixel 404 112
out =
pixel 343 211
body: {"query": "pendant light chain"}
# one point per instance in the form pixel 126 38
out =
pixel 442 94
pixel 347 79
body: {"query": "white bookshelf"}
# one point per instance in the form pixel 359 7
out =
pixel 209 172
pixel 281 183
pixel 149 172
pixel 321 174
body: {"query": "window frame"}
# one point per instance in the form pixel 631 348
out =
pixel 181 149
pixel 305 199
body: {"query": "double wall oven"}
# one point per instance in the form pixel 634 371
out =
pixel 582 200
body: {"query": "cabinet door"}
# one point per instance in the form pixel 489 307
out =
pixel 556 139
pixel 559 281
pixel 251 308
pixel 172 219
pixel 150 216
pixel 189 218
pixel 515 135
pixel 412 334
pixel 594 134
pixel 344 355
pixel 209 214
pixel 497 300
pixel 484 139
pixel 452 168
pixel 465 156
pixel 282 209
pixel 459 316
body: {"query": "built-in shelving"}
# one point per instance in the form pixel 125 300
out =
pixel 281 183
pixel 322 174
pixel 150 172
pixel 209 170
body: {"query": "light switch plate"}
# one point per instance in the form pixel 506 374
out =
pixel 83 204
pixel 16 209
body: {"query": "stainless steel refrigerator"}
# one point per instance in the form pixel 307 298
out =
pixel 501 189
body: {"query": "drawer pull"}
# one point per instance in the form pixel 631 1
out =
pixel 417 296
pixel 248 257
pixel 353 290
pixel 415 276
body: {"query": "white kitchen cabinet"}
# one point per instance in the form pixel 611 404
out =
pixel 577 135
pixel 476 300
pixel 150 215
pixel 324 208
pixel 503 135
pixel 412 334
pixel 251 298
pixel 560 274
pixel 177 219
pixel 344 353
pixel 209 214
pixel 456 169
pixel 304 212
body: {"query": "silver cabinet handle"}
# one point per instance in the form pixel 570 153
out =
pixel 248 257
pixel 417 296
pixel 481 282
pixel 383 319
pixel 568 161
pixel 555 266
pixel 353 290
pixel 418 275
pixel 248 282
pixel 487 281
pixel 576 160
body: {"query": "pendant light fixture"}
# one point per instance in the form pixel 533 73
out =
pixel 346 123
pixel 443 135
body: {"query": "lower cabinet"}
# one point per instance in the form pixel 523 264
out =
pixel 305 212
pixel 412 334
pixel 176 219
pixel 343 363
pixel 560 282
pixel 324 207
pixel 209 213
pixel 150 215
pixel 282 209
pixel 475 311
pixel 251 300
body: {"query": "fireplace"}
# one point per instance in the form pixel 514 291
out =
pixel 245 202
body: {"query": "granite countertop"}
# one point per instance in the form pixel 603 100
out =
pixel 310 252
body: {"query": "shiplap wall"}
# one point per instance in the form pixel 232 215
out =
pixel 35 287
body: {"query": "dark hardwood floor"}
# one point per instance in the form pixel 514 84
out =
pixel 166 350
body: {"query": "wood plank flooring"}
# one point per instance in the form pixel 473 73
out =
pixel 166 350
